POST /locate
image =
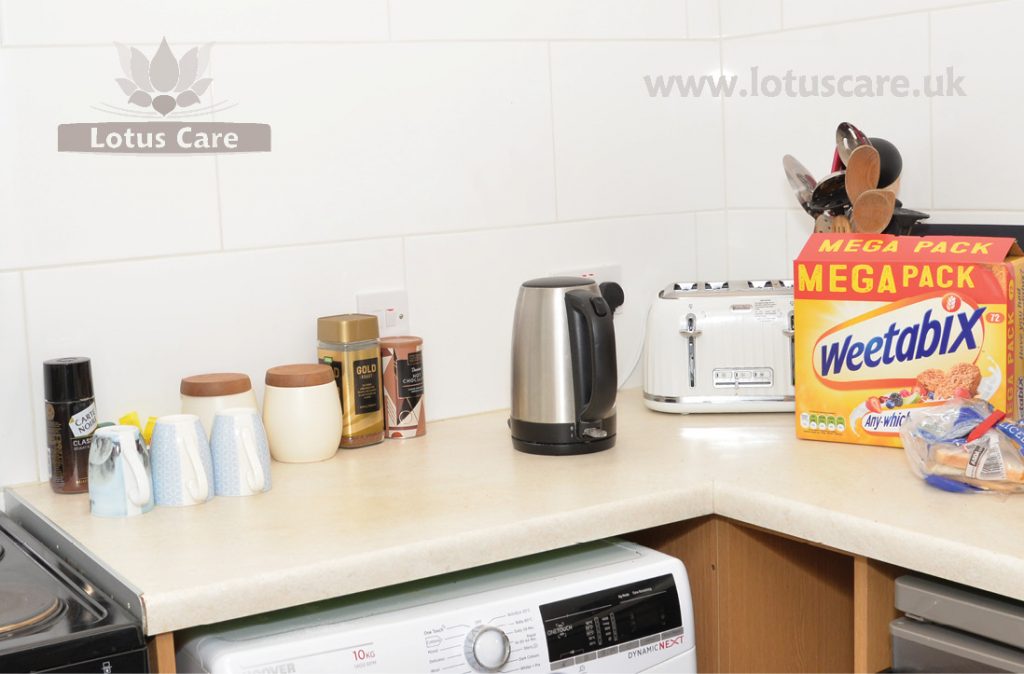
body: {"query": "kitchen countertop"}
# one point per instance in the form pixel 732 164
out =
pixel 461 497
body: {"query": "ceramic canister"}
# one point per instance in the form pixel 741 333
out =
pixel 206 394
pixel 302 412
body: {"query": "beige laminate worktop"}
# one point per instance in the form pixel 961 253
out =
pixel 461 497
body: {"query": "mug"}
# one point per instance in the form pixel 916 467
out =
pixel 182 465
pixel 241 456
pixel 119 473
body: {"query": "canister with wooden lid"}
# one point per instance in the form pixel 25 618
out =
pixel 206 394
pixel 302 413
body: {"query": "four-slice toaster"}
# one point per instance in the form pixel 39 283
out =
pixel 720 346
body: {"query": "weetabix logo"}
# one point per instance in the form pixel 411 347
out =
pixel 170 91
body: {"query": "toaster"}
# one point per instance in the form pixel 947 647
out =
pixel 720 346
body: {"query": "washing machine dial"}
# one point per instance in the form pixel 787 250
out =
pixel 486 648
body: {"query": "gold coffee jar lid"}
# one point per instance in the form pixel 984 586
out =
pixel 345 328
pixel 215 384
pixel 299 375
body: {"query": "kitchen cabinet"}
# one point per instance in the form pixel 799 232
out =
pixel 789 543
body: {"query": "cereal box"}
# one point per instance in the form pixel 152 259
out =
pixel 885 324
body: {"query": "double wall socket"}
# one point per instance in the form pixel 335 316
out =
pixel 391 307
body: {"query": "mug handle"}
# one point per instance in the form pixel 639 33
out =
pixel 138 488
pixel 254 476
pixel 198 488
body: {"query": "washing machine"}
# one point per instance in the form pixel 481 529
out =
pixel 606 606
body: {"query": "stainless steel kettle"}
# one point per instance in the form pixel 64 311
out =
pixel 564 375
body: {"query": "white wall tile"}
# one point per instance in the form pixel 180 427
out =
pixel 757 245
pixel 230 312
pixel 61 207
pixel 463 289
pixel 536 19
pixel 17 447
pixel 798 13
pixel 760 130
pixel 799 227
pixel 741 17
pixel 375 140
pixel 977 147
pixel 712 247
pixel 68 22
pixel 976 217
pixel 620 151
pixel 702 19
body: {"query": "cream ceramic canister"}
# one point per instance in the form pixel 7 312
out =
pixel 302 413
pixel 206 394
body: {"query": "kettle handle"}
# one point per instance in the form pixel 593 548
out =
pixel 592 346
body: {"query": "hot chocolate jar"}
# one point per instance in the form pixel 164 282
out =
pixel 402 366
pixel 348 343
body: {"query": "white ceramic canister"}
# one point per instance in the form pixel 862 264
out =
pixel 302 413
pixel 206 394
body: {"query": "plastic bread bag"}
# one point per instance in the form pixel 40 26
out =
pixel 965 445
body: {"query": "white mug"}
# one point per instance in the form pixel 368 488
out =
pixel 182 465
pixel 241 456
pixel 119 473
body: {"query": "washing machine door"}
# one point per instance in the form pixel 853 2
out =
pixel 684 663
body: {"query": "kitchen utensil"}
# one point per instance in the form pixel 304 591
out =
pixel 205 394
pixel 564 376
pixel 823 223
pixel 182 465
pixel 830 193
pixel 241 454
pixel 120 478
pixel 302 412
pixel 904 219
pixel 873 211
pixel 841 224
pixel 848 138
pixel 720 347
pixel 801 180
pixel 890 162
pixel 862 171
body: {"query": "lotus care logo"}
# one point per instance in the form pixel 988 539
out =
pixel 172 92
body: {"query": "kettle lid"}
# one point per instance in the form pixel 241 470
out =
pixel 558 282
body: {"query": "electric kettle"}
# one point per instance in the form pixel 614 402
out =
pixel 564 376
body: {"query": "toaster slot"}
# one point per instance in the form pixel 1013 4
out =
pixel 691 333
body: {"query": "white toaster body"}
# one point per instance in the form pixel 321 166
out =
pixel 720 347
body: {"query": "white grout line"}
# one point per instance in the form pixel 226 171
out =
pixel 554 152
pixel 37 458
pixel 725 157
pixel 388 11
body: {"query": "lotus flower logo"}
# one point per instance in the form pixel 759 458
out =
pixel 164 82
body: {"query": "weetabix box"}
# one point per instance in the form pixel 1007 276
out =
pixel 885 324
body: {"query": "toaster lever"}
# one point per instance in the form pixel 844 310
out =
pixel 691 332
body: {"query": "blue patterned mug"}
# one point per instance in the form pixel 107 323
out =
pixel 182 465
pixel 119 473
pixel 241 455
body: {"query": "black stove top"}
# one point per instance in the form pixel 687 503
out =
pixel 53 619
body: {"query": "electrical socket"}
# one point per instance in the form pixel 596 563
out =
pixel 602 273
pixel 391 307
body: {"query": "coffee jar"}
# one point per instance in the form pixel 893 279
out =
pixel 348 343
pixel 70 422
pixel 301 413
pixel 206 394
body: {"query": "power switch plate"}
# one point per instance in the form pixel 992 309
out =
pixel 391 307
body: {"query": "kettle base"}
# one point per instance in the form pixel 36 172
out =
pixel 564 449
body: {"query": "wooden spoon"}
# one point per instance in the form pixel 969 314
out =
pixel 841 224
pixel 862 171
pixel 873 210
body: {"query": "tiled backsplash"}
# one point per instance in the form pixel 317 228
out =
pixel 453 148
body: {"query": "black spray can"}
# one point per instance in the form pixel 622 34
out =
pixel 70 422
